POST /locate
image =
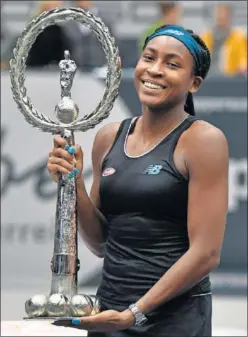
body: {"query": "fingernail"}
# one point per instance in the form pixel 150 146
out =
pixel 70 175
pixel 67 147
pixel 72 150
pixel 75 170
pixel 76 321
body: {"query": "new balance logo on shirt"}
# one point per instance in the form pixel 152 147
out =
pixel 153 169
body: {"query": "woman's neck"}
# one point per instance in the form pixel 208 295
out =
pixel 153 124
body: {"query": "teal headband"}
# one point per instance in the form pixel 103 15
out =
pixel 182 35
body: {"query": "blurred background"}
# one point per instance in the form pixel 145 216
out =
pixel 27 194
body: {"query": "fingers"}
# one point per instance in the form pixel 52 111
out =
pixel 104 317
pixel 78 152
pixel 64 159
pixel 55 168
pixel 59 141
pixel 62 153
pixel 63 165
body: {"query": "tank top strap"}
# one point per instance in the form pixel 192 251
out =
pixel 124 128
pixel 174 141
pixel 180 130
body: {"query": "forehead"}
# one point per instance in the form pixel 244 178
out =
pixel 168 45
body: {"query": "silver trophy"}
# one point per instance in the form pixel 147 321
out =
pixel 63 300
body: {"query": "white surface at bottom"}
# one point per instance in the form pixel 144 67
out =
pixel 38 328
pixel 45 328
pixel 229 315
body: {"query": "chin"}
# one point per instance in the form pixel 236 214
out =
pixel 152 103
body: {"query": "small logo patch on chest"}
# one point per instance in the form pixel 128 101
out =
pixel 108 171
pixel 153 169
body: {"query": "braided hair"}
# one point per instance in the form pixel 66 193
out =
pixel 206 61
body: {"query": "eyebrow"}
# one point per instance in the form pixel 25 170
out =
pixel 169 55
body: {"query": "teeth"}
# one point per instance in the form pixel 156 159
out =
pixel 152 85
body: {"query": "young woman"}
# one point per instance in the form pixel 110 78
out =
pixel 158 204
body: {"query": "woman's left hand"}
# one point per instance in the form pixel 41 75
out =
pixel 106 321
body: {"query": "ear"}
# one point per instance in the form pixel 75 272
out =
pixel 197 82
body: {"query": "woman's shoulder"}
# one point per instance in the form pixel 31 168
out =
pixel 201 129
pixel 106 135
pixel 203 137
pixel 110 130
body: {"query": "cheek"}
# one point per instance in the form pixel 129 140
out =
pixel 135 82
pixel 137 74
pixel 182 80
pixel 179 76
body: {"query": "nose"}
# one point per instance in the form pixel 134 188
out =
pixel 155 70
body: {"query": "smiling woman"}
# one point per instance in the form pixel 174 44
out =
pixel 158 204
pixel 184 52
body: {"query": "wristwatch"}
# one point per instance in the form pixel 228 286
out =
pixel 140 318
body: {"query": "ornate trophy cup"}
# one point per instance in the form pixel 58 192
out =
pixel 63 300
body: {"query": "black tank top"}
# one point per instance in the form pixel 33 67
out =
pixel 144 200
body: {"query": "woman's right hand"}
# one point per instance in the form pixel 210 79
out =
pixel 62 160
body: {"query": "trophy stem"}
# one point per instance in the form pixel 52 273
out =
pixel 64 284
pixel 65 263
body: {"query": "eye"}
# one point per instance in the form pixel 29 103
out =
pixel 173 65
pixel 147 57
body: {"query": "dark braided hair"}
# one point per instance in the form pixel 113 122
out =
pixel 205 61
